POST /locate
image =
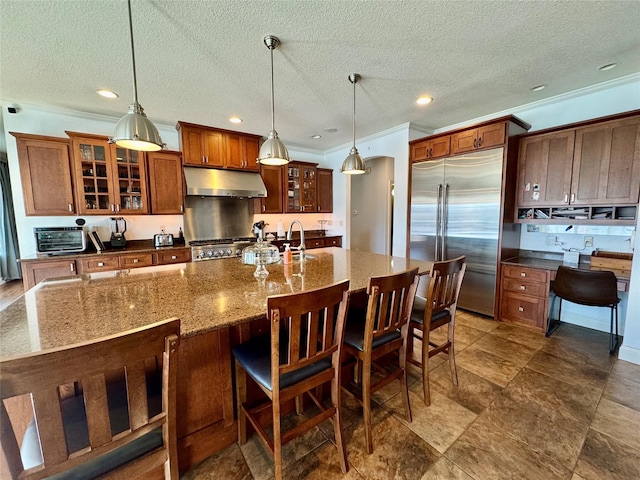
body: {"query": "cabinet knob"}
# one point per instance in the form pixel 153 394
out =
pixel 101 264
pixel 475 143
pixel 135 260
pixel 573 198
pixel 204 159
pixel 522 287
pixel 523 274
pixel 113 207
pixel 520 309
pixel 72 266
pixel 173 257
pixel 70 208
pixel 479 142
pixel 181 208
pixel 566 198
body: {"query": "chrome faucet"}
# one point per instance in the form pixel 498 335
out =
pixel 302 246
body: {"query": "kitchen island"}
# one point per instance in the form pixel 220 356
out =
pixel 219 302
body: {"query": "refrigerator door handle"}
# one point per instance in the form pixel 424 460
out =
pixel 445 213
pixel 439 238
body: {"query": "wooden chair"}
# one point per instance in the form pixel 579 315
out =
pixel 301 354
pixel 435 309
pixel 378 332
pixel 110 429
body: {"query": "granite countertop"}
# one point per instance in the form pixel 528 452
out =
pixel 133 246
pixel 206 296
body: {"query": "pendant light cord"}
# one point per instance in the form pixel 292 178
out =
pixel 272 93
pixel 354 111
pixel 133 58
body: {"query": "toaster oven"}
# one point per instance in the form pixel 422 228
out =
pixel 60 239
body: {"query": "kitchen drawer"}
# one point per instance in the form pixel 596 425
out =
pixel 525 287
pixel 522 273
pixel 524 309
pixel 315 243
pixel 136 260
pixel 173 256
pixel 333 242
pixel 99 264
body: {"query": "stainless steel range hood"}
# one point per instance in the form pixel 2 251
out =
pixel 210 182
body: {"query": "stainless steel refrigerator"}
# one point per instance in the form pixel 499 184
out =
pixel 455 210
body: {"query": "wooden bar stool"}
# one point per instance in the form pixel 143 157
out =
pixel 301 354
pixel 435 309
pixel 586 287
pixel 377 332
pixel 110 429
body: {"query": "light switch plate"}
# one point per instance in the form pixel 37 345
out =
pixel 571 257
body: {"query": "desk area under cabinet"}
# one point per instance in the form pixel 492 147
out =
pixel 525 287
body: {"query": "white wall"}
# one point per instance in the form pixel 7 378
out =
pixel 630 349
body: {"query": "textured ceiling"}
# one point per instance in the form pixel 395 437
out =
pixel 203 61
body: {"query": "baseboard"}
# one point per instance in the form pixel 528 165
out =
pixel 629 354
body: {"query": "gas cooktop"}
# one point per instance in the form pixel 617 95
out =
pixel 216 248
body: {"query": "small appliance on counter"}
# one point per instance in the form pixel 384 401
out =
pixel 118 227
pixel 60 240
pixel 163 240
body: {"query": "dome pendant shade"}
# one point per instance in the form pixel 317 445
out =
pixel 135 131
pixel 353 164
pixel 273 151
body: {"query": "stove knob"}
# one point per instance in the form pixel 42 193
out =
pixel 221 253
pixel 229 252
pixel 201 255
pixel 209 253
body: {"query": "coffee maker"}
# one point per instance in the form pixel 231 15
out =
pixel 118 227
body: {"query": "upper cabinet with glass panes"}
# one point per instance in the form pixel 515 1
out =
pixel 108 179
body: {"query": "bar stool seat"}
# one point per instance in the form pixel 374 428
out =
pixel 593 288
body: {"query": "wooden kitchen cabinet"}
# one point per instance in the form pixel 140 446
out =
pixel 108 179
pixel 544 169
pixel 273 178
pixel 485 136
pixel 216 148
pixel 35 272
pixel 525 296
pixel 324 178
pixel 165 182
pixel 175 255
pixel 45 172
pixel 300 187
pixel 98 264
pixel 606 163
pixel 430 149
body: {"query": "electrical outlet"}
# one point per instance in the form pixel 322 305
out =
pixel 551 240
pixel 588 241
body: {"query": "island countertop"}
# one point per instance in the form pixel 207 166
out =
pixel 206 296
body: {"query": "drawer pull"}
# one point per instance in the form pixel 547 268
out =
pixel 523 274
pixel 72 266
pixel 520 309
pixel 101 264
pixel 522 287
pixel 135 260
pixel 173 257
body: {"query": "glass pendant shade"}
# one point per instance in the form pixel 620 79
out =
pixel 353 164
pixel 273 151
pixel 135 131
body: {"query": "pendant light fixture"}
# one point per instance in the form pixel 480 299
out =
pixel 353 164
pixel 273 151
pixel 135 131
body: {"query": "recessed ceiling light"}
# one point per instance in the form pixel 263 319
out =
pixel 331 130
pixel 424 100
pixel 316 136
pixel 538 88
pixel 235 120
pixel 107 93
pixel 608 66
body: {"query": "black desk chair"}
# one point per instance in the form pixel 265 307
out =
pixel 586 287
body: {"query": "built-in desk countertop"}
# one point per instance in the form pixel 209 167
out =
pixel 206 296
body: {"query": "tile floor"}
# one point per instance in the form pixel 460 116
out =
pixel 526 407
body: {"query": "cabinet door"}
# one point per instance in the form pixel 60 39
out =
pixel 325 190
pixel 272 176
pixel 129 181
pixel 45 172
pixel 292 188
pixel 466 141
pixel 136 260
pixel 94 193
pixel 544 169
pixel 34 272
pixel 440 147
pixel 309 192
pixel 606 167
pixel 192 145
pixel 175 255
pixel 214 148
pixel 165 183
pixel 99 264
pixel 251 150
pixel 234 153
pixel 491 135
pixel 420 151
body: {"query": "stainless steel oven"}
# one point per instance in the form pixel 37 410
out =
pixel 54 240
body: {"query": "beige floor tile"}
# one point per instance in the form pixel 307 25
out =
pixel 487 365
pixel 476 321
pixel 444 469
pixel 228 464
pixel 605 458
pixel 585 353
pixel 619 422
pixel 567 371
pixel 439 424
pixel 472 392
pixel 543 430
pixel 577 477
pixel 627 370
pixel 515 352
pixel 486 452
pixel 624 391
pixel 521 335
pixel 323 463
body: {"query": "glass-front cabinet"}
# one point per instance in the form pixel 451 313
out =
pixel 300 187
pixel 108 179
